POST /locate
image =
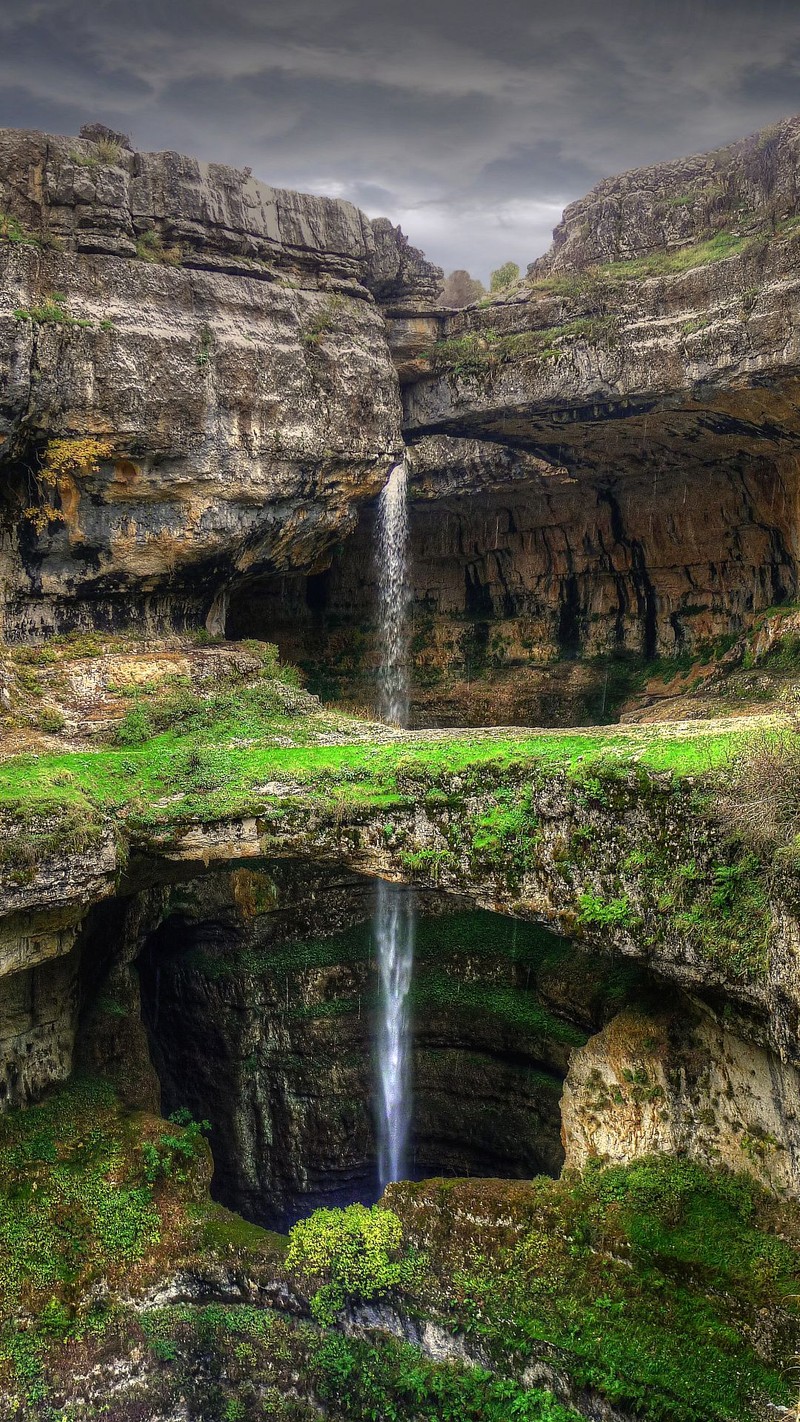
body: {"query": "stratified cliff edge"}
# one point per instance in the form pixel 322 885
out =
pixel 211 348
pixel 603 458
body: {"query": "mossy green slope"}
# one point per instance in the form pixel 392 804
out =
pixel 646 1285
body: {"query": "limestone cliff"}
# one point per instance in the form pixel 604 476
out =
pixel 220 342
pixel 203 384
pixel 604 458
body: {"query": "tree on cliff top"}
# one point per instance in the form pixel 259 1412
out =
pixel 504 277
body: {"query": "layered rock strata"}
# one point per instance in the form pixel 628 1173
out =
pixel 604 458
pixel 217 343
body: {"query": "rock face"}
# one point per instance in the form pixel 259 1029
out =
pixel 261 1021
pixel 219 339
pixel 260 990
pixel 38 1022
pixel 749 183
pixel 682 1084
pixel 527 581
pixel 604 457
pixel 248 996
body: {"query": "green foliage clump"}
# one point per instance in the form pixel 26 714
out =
pixel 504 836
pixel 483 352
pixel 321 322
pixel 605 913
pixel 12 231
pixel 51 720
pixel 394 1382
pixel 88 1193
pixel 174 1152
pixel 504 277
pixel 73 1210
pixel 105 152
pixel 51 310
pixel 358 1251
pixel 252 1358
pixel 205 347
pixel 424 861
pixel 70 1208
pixel 181 707
pixel 135 728
pixel 150 247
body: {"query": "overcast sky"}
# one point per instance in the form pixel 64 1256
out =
pixel 470 122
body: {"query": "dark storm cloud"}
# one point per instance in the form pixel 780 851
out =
pixel 472 124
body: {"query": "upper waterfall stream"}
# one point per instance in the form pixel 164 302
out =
pixel 393 598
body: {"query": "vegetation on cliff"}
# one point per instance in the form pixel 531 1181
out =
pixel 646 1285
pixel 632 848
pixel 630 1277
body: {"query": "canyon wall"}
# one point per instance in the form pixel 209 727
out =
pixel 604 458
pixel 208 355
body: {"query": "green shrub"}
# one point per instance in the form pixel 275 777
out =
pixel 135 728
pixel 175 1151
pixel 12 230
pixel 51 310
pixel 604 913
pixel 205 348
pixel 504 277
pixel 393 1382
pixel 358 1251
pixel 108 151
pixel 321 322
pixel 51 720
pixel 150 247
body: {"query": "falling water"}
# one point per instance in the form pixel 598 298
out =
pixel 394 594
pixel 394 914
pixel 394 939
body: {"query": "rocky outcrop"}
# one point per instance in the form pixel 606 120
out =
pixel 681 1084
pixel 398 274
pixel 604 457
pixel 752 185
pixel 218 342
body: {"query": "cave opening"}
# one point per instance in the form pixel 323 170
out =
pixel 522 597
pixel 265 1025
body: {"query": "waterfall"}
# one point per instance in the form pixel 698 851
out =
pixel 394 913
pixel 394 940
pixel 394 596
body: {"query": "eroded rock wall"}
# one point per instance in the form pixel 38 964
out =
pixel 220 339
pixel 527 580
pixel 681 1083
pixel 260 994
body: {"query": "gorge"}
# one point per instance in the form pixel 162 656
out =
pixel 543 742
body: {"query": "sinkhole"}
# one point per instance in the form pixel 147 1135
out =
pixel 264 1022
